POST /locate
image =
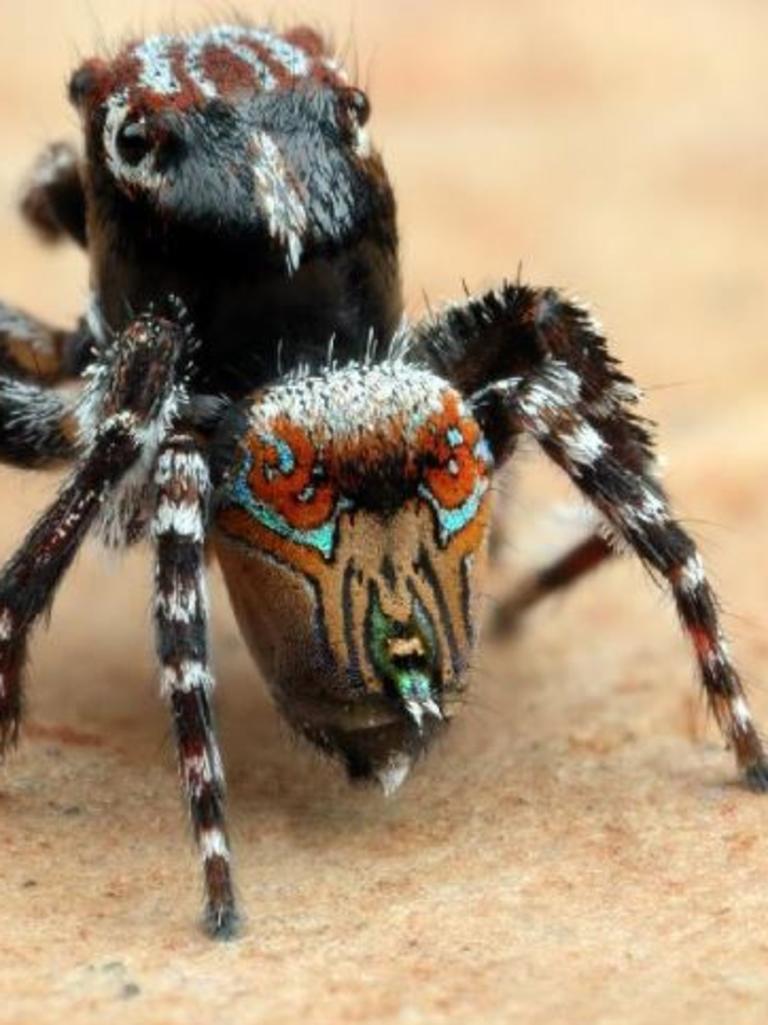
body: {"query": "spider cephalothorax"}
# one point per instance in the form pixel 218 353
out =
pixel 241 236
pixel 219 166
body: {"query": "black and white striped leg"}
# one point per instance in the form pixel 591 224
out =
pixel 37 425
pixel 534 362
pixel 53 199
pixel 28 581
pixel 131 403
pixel 635 505
pixel 181 625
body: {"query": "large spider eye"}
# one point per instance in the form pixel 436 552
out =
pixel 353 112
pixel 85 81
pixel 133 141
pixel 360 104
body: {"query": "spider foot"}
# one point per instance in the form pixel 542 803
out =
pixel 222 921
pixel 756 777
pixel 9 731
pixel 10 705
pixel 221 918
pixel 53 201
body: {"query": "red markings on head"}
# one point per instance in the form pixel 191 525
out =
pixel 306 39
pixel 221 62
pixel 230 73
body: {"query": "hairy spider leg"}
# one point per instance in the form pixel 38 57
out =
pixel 578 561
pixel 29 580
pixel 53 198
pixel 538 363
pixel 37 424
pixel 181 631
pixel 35 351
pixel 123 416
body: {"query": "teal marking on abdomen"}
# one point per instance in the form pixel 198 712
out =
pixel 322 538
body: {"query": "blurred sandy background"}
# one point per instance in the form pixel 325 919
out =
pixel 578 849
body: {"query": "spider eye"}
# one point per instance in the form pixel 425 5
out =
pixel 85 82
pixel 360 104
pixel 133 141
pixel 353 111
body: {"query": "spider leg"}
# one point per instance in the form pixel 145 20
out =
pixel 584 557
pixel 53 200
pixel 181 629
pixel 33 350
pixel 37 424
pixel 134 398
pixel 29 579
pixel 532 361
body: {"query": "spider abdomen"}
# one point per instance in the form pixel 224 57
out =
pixel 357 499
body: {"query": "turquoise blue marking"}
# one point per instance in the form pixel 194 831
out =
pixel 322 538
pixel 451 521
pixel 286 461
pixel 414 686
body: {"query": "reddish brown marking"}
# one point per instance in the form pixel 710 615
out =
pixel 702 639
pixel 324 75
pixel 674 575
pixel 190 94
pixel 283 490
pixel 192 752
pixel 124 72
pixel 282 75
pixel 450 490
pixel 100 80
pixel 229 73
pixel 580 560
pixel 311 42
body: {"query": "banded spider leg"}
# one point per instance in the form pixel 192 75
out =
pixel 129 450
pixel 53 202
pixel 178 528
pixel 582 558
pixel 534 362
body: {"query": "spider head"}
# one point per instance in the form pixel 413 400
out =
pixel 351 522
pixel 235 133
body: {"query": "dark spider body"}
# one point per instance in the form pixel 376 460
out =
pixel 248 384
pixel 183 217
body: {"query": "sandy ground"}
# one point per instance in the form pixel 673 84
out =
pixel 578 850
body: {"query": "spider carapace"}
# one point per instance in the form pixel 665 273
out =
pixel 248 383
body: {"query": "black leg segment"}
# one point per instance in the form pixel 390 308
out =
pixel 534 362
